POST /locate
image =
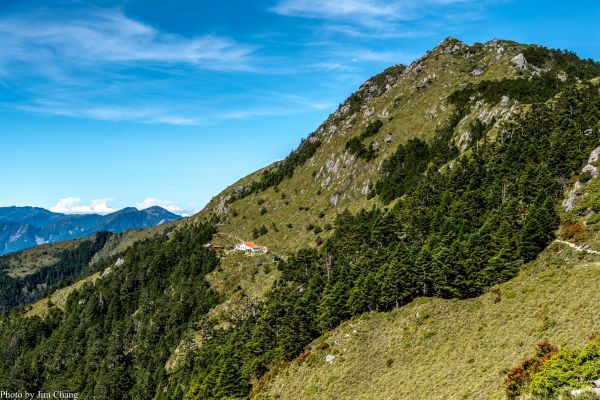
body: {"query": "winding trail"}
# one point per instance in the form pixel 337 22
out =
pixel 576 247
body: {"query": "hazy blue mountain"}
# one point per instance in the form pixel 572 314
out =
pixel 24 227
pixel 30 215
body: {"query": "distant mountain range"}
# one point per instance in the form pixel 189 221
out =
pixel 24 227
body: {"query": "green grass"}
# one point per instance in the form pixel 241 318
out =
pixel 119 242
pixel 242 279
pixel 451 349
pixel 412 112
pixel 304 199
pixel 58 298
pixel 27 262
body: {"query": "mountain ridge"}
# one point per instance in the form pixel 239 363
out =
pixel 25 227
pixel 364 229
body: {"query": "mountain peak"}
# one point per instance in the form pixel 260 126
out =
pixel 158 210
pixel 24 227
pixel 450 45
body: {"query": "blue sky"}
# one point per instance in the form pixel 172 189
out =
pixel 108 104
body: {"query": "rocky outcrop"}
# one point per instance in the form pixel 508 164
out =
pixel 519 61
pixel 569 202
pixel 449 45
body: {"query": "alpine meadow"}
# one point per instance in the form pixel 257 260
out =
pixel 436 237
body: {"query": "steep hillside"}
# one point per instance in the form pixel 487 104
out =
pixel 328 174
pixel 451 349
pixel 432 183
pixel 22 282
pixel 294 203
pixel 29 274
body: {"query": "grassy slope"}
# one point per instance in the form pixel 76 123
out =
pixel 121 241
pixel 452 349
pixel 58 298
pixel 461 349
pixel 413 106
pixel 30 260
pixel 407 110
pixel 313 186
pixel 27 262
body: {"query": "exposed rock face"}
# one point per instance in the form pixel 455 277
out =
pixel 450 45
pixel 520 61
pixel 414 68
pixel 329 358
pixel 366 188
pixel 222 206
pixel 562 77
pixel 594 155
pixel 387 139
pixel 589 167
pixel 570 200
pixel 333 200
pixel 342 110
pixel 119 262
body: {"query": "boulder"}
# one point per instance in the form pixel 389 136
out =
pixel 520 61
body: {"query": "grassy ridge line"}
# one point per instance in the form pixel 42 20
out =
pixel 28 261
pixel 451 349
pixel 58 298
pixel 411 107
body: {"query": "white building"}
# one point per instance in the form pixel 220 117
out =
pixel 251 247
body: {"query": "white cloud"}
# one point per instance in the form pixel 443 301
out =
pixel 150 114
pixel 72 205
pixel 108 36
pixel 162 114
pixel 166 204
pixel 361 17
pixel 356 9
pixel 79 64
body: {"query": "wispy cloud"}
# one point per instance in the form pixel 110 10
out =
pixel 101 64
pixel 365 11
pixel 108 36
pixel 366 17
pixel 196 114
pixel 72 205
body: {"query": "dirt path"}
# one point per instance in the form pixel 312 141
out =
pixel 576 247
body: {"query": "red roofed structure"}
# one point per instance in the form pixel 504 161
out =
pixel 251 247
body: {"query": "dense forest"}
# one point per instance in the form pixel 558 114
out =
pixel 459 223
pixel 454 234
pixel 114 337
pixel 70 265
